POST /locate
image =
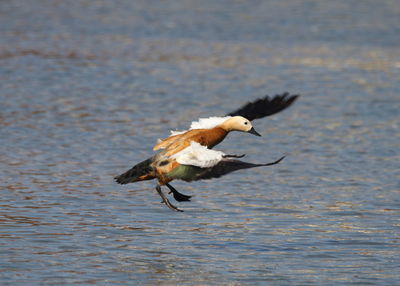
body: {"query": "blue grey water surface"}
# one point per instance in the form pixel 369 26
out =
pixel 87 87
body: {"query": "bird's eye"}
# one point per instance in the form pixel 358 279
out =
pixel 245 123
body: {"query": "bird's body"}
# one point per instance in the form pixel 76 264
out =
pixel 206 137
pixel 188 156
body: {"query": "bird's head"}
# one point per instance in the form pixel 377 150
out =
pixel 239 123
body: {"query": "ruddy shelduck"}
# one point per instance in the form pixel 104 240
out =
pixel 188 155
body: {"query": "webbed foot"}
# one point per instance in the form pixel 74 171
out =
pixel 177 195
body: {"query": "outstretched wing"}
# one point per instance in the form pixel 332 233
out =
pixel 265 106
pixel 225 166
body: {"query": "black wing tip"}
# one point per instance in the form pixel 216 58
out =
pixel 265 106
pixel 280 159
pixel 285 95
pixel 284 100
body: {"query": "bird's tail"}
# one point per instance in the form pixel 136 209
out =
pixel 140 172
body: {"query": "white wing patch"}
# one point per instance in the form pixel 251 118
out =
pixel 198 155
pixel 208 123
pixel 204 123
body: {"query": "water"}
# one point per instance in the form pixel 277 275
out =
pixel 88 86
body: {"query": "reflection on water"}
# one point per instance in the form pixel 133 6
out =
pixel 85 97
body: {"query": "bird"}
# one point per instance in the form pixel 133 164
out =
pixel 189 156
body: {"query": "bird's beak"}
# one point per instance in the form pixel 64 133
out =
pixel 253 131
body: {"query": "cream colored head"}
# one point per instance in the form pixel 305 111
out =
pixel 239 123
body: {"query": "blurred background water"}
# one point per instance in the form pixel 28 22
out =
pixel 86 88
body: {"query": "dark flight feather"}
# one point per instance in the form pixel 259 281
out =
pixel 190 173
pixel 265 106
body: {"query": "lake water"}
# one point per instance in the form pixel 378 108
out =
pixel 86 88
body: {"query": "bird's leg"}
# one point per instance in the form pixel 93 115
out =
pixel 233 156
pixel 177 195
pixel 166 201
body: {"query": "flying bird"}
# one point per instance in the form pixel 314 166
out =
pixel 188 155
